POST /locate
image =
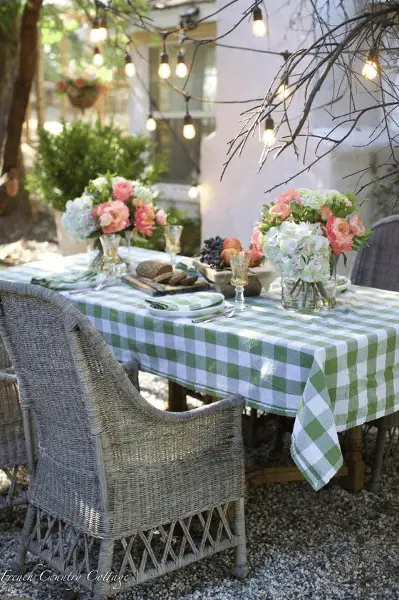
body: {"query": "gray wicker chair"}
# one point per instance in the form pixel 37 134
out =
pixel 12 440
pixel 118 486
pixel 378 266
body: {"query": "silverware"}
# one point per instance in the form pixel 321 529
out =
pixel 227 314
pixel 97 288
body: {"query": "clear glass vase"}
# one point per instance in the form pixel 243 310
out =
pixel 108 261
pixel 305 296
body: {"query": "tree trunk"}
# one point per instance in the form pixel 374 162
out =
pixel 25 68
pixel 23 83
pixel 9 68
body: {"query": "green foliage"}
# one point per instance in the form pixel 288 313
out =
pixel 9 11
pixel 66 162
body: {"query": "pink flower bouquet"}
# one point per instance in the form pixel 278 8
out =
pixel 304 231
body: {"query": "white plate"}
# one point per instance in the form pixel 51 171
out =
pixel 199 312
pixel 343 283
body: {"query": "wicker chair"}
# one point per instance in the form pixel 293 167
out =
pixel 118 486
pixel 378 266
pixel 12 440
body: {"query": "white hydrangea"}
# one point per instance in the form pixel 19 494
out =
pixel 143 193
pixel 311 198
pixel 77 218
pixel 99 183
pixel 299 250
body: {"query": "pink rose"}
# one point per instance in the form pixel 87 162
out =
pixel 357 225
pixel 325 212
pixel 256 240
pixel 161 217
pixel 339 234
pixel 289 196
pixel 113 216
pixel 281 210
pixel 144 218
pixel 122 189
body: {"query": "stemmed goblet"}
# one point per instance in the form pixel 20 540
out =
pixel 172 240
pixel 239 276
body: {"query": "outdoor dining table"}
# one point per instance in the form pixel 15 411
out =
pixel 331 371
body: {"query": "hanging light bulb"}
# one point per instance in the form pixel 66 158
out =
pixel 188 127
pixel 95 34
pixel 164 67
pixel 130 69
pixel 181 67
pixel 269 137
pixel 98 59
pixel 151 123
pixel 193 192
pixel 258 24
pixel 103 30
pixel 283 91
pixel 371 67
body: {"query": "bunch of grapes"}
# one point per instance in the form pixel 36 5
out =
pixel 210 253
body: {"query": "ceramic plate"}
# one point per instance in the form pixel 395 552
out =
pixel 343 283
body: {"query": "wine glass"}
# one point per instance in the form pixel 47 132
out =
pixel 239 276
pixel 172 239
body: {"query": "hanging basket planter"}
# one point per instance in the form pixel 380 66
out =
pixel 84 97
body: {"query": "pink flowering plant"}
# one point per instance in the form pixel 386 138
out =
pixel 112 204
pixel 304 231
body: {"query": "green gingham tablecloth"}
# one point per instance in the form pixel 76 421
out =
pixel 332 371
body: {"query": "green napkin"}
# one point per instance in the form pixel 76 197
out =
pixel 68 281
pixel 186 302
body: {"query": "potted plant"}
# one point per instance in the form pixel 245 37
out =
pixel 83 85
pixel 67 161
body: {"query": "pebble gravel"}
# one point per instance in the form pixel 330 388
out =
pixel 302 545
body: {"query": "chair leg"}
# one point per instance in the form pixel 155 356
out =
pixel 24 540
pixel 241 569
pixel 104 566
pixel 253 427
pixel 374 484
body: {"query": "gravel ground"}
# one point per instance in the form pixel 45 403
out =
pixel 330 545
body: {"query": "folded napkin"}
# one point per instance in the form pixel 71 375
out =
pixel 68 281
pixel 186 302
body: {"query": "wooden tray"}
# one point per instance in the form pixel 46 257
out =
pixel 148 286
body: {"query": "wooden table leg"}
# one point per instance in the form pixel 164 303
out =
pixel 354 482
pixel 177 397
pixel 253 428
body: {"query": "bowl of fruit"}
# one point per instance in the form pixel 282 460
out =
pixel 214 264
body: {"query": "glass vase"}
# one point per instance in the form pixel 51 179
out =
pixel 305 296
pixel 109 262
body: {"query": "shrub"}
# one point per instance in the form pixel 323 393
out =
pixel 66 162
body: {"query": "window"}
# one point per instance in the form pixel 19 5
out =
pixel 169 110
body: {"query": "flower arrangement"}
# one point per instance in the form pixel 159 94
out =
pixel 302 234
pixel 113 205
pixel 83 85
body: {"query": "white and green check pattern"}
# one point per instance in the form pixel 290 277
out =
pixel 332 371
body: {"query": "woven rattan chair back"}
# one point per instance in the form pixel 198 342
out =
pixel 110 465
pixel 378 264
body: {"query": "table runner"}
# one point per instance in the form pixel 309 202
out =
pixel 332 371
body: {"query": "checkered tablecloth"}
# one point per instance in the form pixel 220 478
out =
pixel 332 371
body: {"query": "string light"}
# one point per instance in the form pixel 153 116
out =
pixel 130 69
pixel 371 67
pixel 283 91
pixel 164 71
pixel 95 34
pixel 103 30
pixel 193 191
pixel 181 67
pixel 151 123
pixel 98 59
pixel 188 125
pixel 258 24
pixel 269 136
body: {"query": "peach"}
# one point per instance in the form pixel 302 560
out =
pixel 227 254
pixel 232 242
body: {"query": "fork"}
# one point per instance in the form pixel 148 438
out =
pixel 100 286
pixel 227 314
